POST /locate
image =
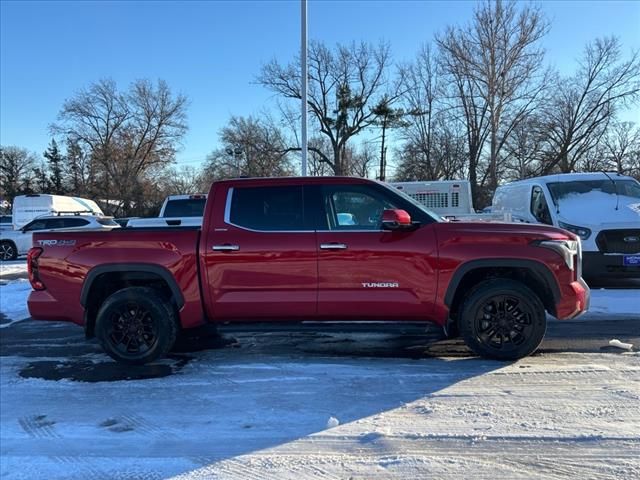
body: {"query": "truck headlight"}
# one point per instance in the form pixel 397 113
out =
pixel 567 249
pixel 582 232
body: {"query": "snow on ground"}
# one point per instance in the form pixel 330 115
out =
pixel 227 414
pixel 613 303
pixel 267 410
pixel 15 267
pixel 13 301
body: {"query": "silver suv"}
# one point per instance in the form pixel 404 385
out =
pixel 18 242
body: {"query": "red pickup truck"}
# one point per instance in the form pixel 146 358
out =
pixel 301 249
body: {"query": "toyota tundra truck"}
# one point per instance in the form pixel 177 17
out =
pixel 315 250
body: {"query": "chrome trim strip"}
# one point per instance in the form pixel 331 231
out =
pixel 225 248
pixel 227 206
pixel 333 246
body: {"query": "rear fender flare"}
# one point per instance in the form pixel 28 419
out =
pixel 132 268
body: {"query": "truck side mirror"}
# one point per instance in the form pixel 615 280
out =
pixel 396 219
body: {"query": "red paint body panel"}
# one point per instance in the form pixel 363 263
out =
pixel 390 275
pixel 399 269
pixel 63 269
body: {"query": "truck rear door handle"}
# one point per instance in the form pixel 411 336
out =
pixel 333 246
pixel 225 248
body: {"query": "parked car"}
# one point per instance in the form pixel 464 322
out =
pixel 6 222
pixel 177 210
pixel 14 243
pixel 603 209
pixel 28 207
pixel 274 250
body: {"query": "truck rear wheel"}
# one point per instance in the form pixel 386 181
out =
pixel 502 319
pixel 8 251
pixel 135 326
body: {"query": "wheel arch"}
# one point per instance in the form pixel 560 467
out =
pixel 104 280
pixel 536 275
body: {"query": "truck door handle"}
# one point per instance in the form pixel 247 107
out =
pixel 333 246
pixel 225 248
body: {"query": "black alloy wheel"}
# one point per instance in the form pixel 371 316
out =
pixel 504 322
pixel 132 330
pixel 502 319
pixel 136 325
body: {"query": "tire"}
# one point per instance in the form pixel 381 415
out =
pixel 8 251
pixel 502 319
pixel 136 326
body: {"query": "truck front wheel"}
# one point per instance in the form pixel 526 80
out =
pixel 135 326
pixel 502 319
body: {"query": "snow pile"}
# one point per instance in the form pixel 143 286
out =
pixel 332 422
pixel 13 301
pixel 16 267
pixel 618 344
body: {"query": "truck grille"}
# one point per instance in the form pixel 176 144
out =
pixel 619 241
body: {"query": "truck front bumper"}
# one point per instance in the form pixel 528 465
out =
pixel 575 300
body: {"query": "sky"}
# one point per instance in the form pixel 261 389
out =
pixel 212 51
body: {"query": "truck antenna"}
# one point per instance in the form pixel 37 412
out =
pixel 615 187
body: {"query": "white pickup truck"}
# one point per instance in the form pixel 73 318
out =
pixel 177 210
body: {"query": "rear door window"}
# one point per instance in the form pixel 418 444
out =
pixel 188 207
pixel 35 225
pixel 267 208
pixel 74 222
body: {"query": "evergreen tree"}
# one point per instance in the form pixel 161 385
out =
pixel 42 183
pixel 386 118
pixel 55 160
pixel 74 170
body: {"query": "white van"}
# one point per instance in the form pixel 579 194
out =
pixel 28 207
pixel 603 209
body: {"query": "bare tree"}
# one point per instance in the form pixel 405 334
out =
pixel 127 134
pixel 496 67
pixel 447 157
pixel 585 104
pixel 16 172
pixel 523 149
pixel 252 147
pixel 622 148
pixel 421 83
pixel 343 86
pixel 363 159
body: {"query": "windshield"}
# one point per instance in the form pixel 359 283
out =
pixel 626 187
pixel 190 207
pixel 413 201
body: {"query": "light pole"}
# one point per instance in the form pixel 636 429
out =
pixel 303 78
pixel 236 155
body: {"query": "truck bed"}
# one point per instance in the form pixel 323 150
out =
pixel 69 258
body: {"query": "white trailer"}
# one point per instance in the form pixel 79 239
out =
pixel 447 198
